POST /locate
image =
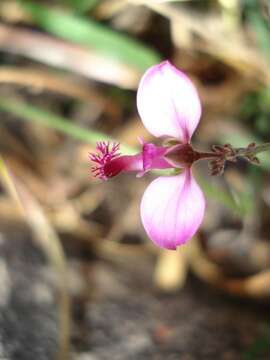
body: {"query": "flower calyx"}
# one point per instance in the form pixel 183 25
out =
pixel 181 155
pixel 224 153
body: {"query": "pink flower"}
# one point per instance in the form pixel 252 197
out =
pixel 172 207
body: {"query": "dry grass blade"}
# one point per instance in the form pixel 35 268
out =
pixel 45 80
pixel 49 242
pixel 215 39
pixel 171 270
pixel 255 286
pixel 8 184
pixel 108 8
pixel 61 54
pixel 9 211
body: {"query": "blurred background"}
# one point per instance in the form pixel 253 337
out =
pixel 79 277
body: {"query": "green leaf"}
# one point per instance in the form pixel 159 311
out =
pixel 91 34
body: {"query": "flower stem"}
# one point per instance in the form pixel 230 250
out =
pixel 206 155
pixel 261 148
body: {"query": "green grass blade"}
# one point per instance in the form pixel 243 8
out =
pixel 223 197
pixel 261 29
pixel 91 34
pixel 46 118
pixel 82 5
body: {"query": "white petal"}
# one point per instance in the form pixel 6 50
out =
pixel 172 209
pixel 168 102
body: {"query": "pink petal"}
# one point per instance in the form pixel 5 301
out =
pixel 172 209
pixel 153 157
pixel 168 102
